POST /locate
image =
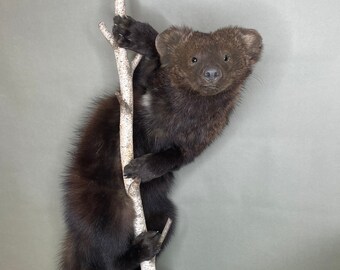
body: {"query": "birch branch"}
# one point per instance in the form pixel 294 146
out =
pixel 125 98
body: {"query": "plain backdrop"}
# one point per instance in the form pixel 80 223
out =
pixel 264 196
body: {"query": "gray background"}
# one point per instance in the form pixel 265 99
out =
pixel 265 195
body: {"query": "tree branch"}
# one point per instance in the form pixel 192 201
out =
pixel 135 62
pixel 125 98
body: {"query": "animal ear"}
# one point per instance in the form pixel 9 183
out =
pixel 253 42
pixel 167 41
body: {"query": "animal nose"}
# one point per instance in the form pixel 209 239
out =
pixel 212 74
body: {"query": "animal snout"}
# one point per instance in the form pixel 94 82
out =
pixel 212 74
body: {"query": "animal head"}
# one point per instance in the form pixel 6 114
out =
pixel 209 63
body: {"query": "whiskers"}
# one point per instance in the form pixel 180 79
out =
pixel 257 78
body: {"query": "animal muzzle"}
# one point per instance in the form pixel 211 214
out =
pixel 212 74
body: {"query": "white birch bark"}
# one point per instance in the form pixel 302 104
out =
pixel 125 96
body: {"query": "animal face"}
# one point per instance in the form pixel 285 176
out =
pixel 209 63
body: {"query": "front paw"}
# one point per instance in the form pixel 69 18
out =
pixel 121 30
pixel 133 35
pixel 147 245
pixel 141 168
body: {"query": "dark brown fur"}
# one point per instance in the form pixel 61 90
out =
pixel 178 113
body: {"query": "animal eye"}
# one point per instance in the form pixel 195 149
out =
pixel 226 58
pixel 194 60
